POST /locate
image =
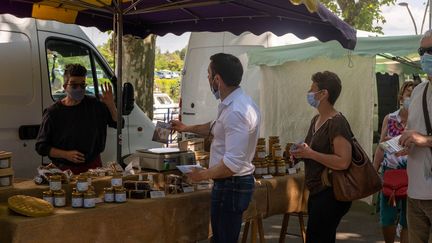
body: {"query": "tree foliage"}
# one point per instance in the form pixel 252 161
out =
pixel 362 14
pixel 170 61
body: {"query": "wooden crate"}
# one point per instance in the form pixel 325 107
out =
pixel 6 171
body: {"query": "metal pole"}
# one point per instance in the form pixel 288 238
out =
pixel 412 18
pixel 424 17
pixel 119 35
pixel 430 14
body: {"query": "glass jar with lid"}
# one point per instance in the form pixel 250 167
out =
pixel 260 153
pixel 82 184
pixel 276 152
pixel 48 196
pixel 55 183
pixel 264 168
pixel 116 180
pixel 108 194
pixel 89 199
pixel 271 168
pixel 280 168
pixel 120 195
pixel 77 199
pixel 272 140
pixel 59 198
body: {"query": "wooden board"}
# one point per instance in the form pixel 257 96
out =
pixel 5 155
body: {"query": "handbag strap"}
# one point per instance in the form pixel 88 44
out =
pixel 426 113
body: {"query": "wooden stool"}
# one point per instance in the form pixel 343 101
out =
pixel 285 226
pixel 257 225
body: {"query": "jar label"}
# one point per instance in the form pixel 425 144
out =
pixel 4 163
pixel 120 197
pixel 5 181
pixel 49 199
pixel 89 202
pixel 272 170
pixel 59 201
pixel 116 182
pixel 261 155
pixel 82 186
pixel 264 171
pixel 77 202
pixel 109 197
pixel 278 153
pixel 55 185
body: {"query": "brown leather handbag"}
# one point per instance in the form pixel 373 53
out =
pixel 360 179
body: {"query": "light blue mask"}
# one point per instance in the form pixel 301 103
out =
pixel 216 93
pixel 76 94
pixel 426 63
pixel 406 103
pixel 311 99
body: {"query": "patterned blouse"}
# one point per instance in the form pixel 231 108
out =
pixel 394 128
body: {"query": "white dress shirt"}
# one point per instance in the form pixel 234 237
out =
pixel 236 132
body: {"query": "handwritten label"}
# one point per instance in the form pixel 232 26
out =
pixel 267 176
pixel 157 194
pixel 203 186
pixel 188 189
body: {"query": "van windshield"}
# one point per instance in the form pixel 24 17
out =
pixel 63 52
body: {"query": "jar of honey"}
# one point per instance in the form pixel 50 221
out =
pixel 89 199
pixel 55 183
pixel 82 184
pixel 59 198
pixel 48 196
pixel 77 199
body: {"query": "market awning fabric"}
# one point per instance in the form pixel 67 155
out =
pixel 160 17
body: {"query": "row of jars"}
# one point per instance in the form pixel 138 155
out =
pixel 270 167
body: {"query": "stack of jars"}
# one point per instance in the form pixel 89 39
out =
pixel 259 159
pixel 55 195
pixel 115 193
pixel 83 195
pixel 278 167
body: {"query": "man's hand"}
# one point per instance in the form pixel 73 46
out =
pixel 411 137
pixel 178 126
pixel 197 175
pixel 107 95
pixel 74 156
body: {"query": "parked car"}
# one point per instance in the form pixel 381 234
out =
pixel 164 108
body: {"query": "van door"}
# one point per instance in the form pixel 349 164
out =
pixel 59 50
pixel 20 96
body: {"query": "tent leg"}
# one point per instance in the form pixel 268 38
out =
pixel 119 62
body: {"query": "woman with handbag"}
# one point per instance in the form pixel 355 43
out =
pixel 393 195
pixel 327 147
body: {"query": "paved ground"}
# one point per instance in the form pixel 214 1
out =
pixel 359 225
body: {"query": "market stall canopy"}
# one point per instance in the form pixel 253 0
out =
pixel 141 18
pixel 366 46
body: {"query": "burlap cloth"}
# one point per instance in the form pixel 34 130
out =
pixel 176 218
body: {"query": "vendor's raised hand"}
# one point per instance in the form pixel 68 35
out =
pixel 74 156
pixel 107 95
pixel 302 151
pixel 178 126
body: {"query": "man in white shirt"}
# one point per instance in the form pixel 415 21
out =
pixel 235 134
pixel 419 203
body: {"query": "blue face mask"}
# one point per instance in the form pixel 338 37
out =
pixel 311 99
pixel 426 63
pixel 216 93
pixel 76 94
pixel 406 103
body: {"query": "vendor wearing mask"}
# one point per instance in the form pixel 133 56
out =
pixel 73 130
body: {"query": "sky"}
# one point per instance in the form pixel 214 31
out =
pixel 398 22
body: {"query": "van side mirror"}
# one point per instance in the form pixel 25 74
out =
pixel 127 98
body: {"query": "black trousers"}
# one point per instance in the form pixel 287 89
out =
pixel 325 213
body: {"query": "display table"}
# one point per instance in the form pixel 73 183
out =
pixel 176 218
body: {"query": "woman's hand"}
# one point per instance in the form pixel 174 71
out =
pixel 302 151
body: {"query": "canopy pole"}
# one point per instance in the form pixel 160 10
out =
pixel 119 62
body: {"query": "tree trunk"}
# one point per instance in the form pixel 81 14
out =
pixel 138 69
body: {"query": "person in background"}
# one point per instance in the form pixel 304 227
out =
pixel 327 146
pixel 393 125
pixel 235 134
pixel 419 143
pixel 73 130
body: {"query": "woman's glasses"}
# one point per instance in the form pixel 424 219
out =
pixel 423 50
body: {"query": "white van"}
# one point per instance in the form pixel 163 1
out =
pixel 33 52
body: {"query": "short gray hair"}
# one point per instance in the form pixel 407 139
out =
pixel 427 34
